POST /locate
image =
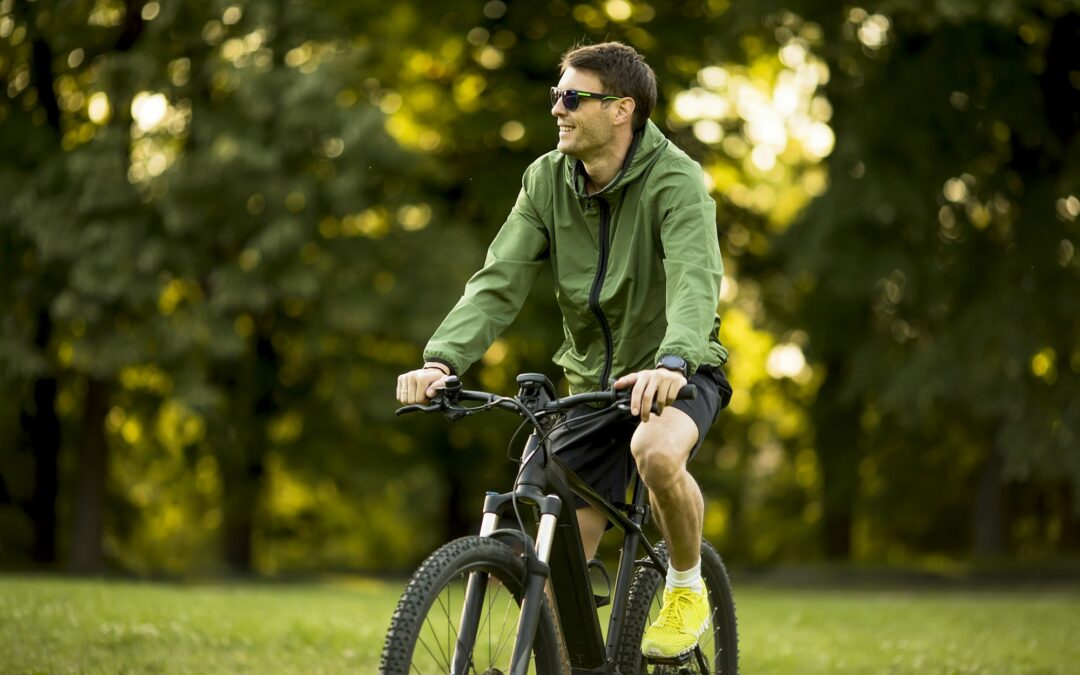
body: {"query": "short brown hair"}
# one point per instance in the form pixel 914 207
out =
pixel 622 71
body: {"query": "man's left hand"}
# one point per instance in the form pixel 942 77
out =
pixel 660 385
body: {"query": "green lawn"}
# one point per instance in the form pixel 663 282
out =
pixel 53 625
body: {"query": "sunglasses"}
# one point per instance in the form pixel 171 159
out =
pixel 571 98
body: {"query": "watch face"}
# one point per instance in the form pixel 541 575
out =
pixel 672 362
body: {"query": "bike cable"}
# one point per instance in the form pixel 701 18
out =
pixel 544 435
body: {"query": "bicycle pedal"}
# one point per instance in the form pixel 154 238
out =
pixel 680 660
pixel 672 670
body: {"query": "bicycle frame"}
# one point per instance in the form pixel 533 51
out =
pixel 545 484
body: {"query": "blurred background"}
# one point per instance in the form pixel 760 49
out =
pixel 226 226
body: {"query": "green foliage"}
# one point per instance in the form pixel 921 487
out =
pixel 936 272
pixel 242 221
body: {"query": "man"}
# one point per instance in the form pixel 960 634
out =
pixel 623 218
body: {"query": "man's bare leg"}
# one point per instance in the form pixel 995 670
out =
pixel 592 525
pixel 661 448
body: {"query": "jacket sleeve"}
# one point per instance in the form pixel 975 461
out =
pixel 693 269
pixel 494 295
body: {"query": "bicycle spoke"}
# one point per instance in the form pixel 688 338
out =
pixel 700 656
pixel 450 625
pixel 448 654
pixel 435 636
pixel 487 616
pixel 450 650
pixel 434 631
pixel 486 622
pixel 424 644
pixel 475 637
pixel 503 641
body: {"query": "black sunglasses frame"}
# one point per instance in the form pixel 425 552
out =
pixel 575 95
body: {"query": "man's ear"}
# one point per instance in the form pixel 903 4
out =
pixel 624 110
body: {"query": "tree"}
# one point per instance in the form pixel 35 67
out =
pixel 933 273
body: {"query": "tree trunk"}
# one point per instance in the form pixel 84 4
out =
pixel 88 508
pixel 242 461
pixel 836 434
pixel 988 539
pixel 40 424
pixel 241 485
pixel 42 429
pixel 1070 536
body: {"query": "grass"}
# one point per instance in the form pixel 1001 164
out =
pixel 58 625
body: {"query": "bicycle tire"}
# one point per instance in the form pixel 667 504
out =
pixel 720 645
pixel 432 587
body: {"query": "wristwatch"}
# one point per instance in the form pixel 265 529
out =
pixel 676 363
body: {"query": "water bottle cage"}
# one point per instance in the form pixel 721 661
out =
pixel 599 599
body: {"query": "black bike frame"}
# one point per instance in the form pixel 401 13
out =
pixel 546 485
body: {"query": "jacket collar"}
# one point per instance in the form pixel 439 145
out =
pixel 644 147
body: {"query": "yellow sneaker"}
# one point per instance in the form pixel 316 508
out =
pixel 683 618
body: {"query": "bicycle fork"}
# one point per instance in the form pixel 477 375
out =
pixel 537 573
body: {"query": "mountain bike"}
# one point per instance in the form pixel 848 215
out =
pixel 518 598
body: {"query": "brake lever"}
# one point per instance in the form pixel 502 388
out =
pixel 416 407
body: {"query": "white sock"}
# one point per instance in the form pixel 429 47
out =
pixel 690 578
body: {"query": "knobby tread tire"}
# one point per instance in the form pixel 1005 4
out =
pixel 648 582
pixel 440 568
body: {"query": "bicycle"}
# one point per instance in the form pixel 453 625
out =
pixel 478 604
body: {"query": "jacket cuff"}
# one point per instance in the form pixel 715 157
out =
pixel 435 359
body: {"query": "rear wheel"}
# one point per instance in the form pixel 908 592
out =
pixel 430 624
pixel 720 643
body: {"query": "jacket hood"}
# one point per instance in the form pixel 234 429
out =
pixel 644 150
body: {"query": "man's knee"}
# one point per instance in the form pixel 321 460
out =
pixel 659 460
pixel 662 446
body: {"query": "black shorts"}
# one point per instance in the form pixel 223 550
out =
pixel 598 449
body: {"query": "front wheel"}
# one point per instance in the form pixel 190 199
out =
pixel 432 630
pixel 719 645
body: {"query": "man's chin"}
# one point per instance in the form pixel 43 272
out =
pixel 566 149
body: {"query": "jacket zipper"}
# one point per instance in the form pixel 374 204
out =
pixel 594 294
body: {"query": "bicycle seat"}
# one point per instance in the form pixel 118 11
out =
pixel 535 379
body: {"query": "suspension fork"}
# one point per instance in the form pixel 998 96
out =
pixel 469 623
pixel 537 573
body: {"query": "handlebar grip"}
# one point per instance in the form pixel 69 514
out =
pixel 687 393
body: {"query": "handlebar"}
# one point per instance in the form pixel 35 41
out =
pixel 443 403
pixel 687 392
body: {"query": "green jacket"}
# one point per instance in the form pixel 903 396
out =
pixel 637 267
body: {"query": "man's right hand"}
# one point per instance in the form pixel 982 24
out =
pixel 418 386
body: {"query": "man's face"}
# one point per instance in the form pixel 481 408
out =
pixel 590 128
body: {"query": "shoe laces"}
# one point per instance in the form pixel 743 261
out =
pixel 676 603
